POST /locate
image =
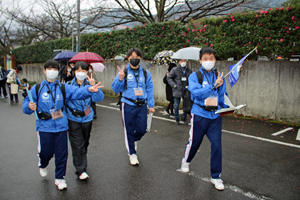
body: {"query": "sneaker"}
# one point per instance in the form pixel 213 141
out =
pixel 218 183
pixel 135 146
pixel 184 121
pixel 43 172
pixel 6 96
pixel 172 115
pixel 17 101
pixel 167 112
pixel 185 166
pixel 83 176
pixel 61 183
pixel 133 159
pixel 177 122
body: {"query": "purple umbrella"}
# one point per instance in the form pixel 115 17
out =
pixel 66 55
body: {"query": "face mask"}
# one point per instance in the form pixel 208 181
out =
pixel 80 76
pixel 73 66
pixel 183 64
pixel 134 62
pixel 90 70
pixel 51 74
pixel 69 70
pixel 208 65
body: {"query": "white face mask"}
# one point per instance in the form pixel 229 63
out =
pixel 51 74
pixel 208 65
pixel 72 66
pixel 90 70
pixel 69 70
pixel 183 64
pixel 81 76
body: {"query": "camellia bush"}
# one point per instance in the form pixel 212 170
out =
pixel 273 32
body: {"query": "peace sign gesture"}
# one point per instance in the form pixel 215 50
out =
pixel 91 80
pixel 96 87
pixel 220 80
pixel 121 73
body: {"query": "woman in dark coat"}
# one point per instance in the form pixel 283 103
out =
pixel 169 92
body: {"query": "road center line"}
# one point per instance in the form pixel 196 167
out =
pixel 282 131
pixel 235 133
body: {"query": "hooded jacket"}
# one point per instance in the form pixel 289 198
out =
pixel 174 79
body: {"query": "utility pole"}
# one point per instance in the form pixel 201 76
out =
pixel 78 26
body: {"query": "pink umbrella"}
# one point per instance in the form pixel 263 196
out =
pixel 87 57
pixel 98 67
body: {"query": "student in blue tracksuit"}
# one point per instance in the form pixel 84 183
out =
pixel 52 124
pixel 136 94
pixel 204 121
pixel 81 115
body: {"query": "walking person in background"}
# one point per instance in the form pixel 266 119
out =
pixel 208 97
pixel 169 94
pixel 80 118
pixel 91 73
pixel 3 82
pixel 12 79
pixel 136 86
pixel 177 79
pixel 25 85
pixel 49 100
pixel 67 74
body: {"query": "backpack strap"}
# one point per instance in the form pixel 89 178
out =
pixel 200 77
pixel 37 88
pixel 63 91
pixel 125 73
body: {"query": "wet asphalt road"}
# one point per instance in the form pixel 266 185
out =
pixel 252 168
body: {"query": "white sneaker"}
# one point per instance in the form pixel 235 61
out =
pixel 61 183
pixel 43 172
pixel 135 146
pixel 133 159
pixel 83 176
pixel 218 183
pixel 185 166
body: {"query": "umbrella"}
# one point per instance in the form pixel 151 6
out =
pixel 188 53
pixel 88 57
pixel 163 57
pixel 98 67
pixel 66 55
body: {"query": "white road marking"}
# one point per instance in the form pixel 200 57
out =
pixel 235 133
pixel 298 135
pixel 282 131
pixel 234 188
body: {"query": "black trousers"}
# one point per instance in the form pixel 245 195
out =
pixel 2 86
pixel 11 96
pixel 79 135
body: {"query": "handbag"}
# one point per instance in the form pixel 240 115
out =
pixel 14 88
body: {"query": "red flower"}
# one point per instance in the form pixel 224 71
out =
pixel 287 27
pixel 289 8
pixel 287 32
pixel 211 45
pixel 184 34
pixel 206 44
pixel 200 23
pixel 297 27
pixel 204 26
pixel 133 29
pixel 281 40
pixel 270 8
pixel 233 20
pixel 245 13
pixel 141 38
pixel 162 27
pixel 225 20
pixel 262 11
pixel 293 17
pixel 260 24
pixel 188 29
pixel 256 16
pixel 276 9
pixel 188 41
pixel 193 30
pixel 281 8
pixel 229 13
pixel 266 12
pixel 145 24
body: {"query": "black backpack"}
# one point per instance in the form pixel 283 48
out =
pixel 125 86
pixel 62 88
pixel 187 101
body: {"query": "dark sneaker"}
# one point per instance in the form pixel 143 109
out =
pixel 177 122
pixel 184 121
pixel 172 115
pixel 17 101
pixel 167 112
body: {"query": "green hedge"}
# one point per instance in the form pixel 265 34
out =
pixel 274 31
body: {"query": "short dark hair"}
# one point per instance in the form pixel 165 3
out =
pixel 136 50
pixel 51 64
pixel 208 50
pixel 19 68
pixel 25 80
pixel 81 64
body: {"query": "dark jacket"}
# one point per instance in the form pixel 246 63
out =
pixel 169 94
pixel 174 78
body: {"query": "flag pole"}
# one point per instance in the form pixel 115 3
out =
pixel 237 64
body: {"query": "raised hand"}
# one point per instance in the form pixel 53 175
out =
pixel 121 73
pixel 220 80
pixel 95 87
pixel 91 80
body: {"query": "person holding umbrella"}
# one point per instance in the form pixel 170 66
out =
pixel 177 79
pixel 137 91
pixel 80 118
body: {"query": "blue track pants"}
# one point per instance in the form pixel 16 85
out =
pixel 212 128
pixel 135 124
pixel 50 144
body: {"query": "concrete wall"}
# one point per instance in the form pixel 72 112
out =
pixel 270 89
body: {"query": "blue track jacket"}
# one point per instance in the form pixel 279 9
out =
pixel 200 92
pixel 81 105
pixel 118 86
pixel 46 104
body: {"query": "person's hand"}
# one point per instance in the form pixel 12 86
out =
pixel 167 73
pixel 91 80
pixel 95 87
pixel 32 106
pixel 175 86
pixel 220 80
pixel 68 73
pixel 121 73
pixel 151 110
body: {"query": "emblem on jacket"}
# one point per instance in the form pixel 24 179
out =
pixel 45 95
